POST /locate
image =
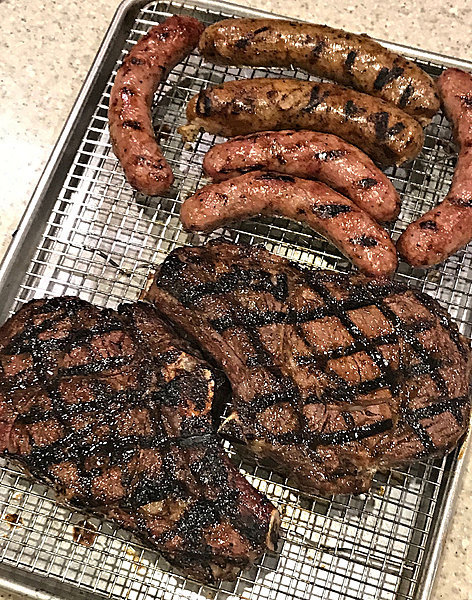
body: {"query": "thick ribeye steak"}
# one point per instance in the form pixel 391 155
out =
pixel 114 411
pixel 334 376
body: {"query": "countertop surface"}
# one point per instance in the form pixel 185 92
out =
pixel 48 48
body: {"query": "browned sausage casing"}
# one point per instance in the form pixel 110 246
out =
pixel 448 227
pixel 384 132
pixel 335 217
pixel 131 130
pixel 311 155
pixel 353 60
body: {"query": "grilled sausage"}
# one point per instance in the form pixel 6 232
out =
pixel 335 217
pixel 448 227
pixel 384 132
pixel 310 155
pixel 353 60
pixel 131 130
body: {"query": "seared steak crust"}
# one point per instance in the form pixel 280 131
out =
pixel 334 376
pixel 114 411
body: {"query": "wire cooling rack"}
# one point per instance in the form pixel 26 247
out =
pixel 101 241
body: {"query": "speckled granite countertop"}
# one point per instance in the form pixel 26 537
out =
pixel 47 50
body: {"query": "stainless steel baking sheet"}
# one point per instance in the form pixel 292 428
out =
pixel 87 233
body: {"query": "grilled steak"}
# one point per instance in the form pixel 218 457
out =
pixel 111 409
pixel 334 376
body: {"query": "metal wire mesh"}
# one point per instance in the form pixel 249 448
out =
pixel 101 241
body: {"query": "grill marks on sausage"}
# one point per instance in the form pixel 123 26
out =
pixel 352 110
pixel 330 211
pixel 273 193
pixel 386 76
pixel 367 183
pixel 203 106
pixel 260 30
pixel 406 95
pixel 126 91
pixel 275 177
pixel 466 100
pixel 395 129
pixel 380 121
pixel 350 59
pixel 318 49
pixel 461 202
pixel 365 241
pixel 329 155
pixel 243 42
pixel 243 170
pixel 153 166
pixel 315 99
pixel 136 125
pixel 382 130
pixel 429 224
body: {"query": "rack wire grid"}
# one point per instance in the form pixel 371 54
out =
pixel 101 241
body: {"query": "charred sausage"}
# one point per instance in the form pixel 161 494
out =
pixel 335 217
pixel 310 155
pixel 353 60
pixel 448 227
pixel 131 130
pixel 384 132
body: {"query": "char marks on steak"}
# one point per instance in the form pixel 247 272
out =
pixel 114 412
pixel 334 376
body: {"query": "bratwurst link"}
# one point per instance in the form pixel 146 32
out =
pixel 448 227
pixel 131 129
pixel 310 155
pixel 335 217
pixel 384 132
pixel 353 60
